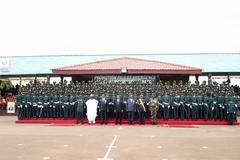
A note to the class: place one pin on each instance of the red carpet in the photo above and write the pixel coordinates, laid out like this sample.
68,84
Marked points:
170,122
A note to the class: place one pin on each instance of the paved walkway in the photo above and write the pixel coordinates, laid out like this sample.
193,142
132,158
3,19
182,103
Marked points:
97,142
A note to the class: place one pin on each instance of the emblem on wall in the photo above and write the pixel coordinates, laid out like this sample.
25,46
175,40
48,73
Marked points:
4,64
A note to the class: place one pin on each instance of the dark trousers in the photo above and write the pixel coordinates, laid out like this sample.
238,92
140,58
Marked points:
65,111
46,113
71,110
165,112
60,110
118,116
141,117
175,111
159,113
34,111
187,107
111,111
147,113
29,112
19,111
230,118
79,116
104,117
182,111
194,112
200,111
131,117
215,112
220,112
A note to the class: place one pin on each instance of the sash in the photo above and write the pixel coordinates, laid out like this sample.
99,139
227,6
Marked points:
142,105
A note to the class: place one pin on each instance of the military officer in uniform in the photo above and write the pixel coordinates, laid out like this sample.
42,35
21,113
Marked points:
225,105
55,105
45,106
19,105
220,105
71,105
159,98
200,105
176,104
205,106
34,105
80,105
141,109
194,106
65,105
153,106
187,105
231,111
211,107
40,104
182,105
215,105
60,105
28,105
146,98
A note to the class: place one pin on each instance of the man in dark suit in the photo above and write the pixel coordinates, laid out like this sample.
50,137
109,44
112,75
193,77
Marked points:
103,109
130,108
118,109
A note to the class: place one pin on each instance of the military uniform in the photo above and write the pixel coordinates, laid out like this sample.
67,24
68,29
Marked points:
65,106
187,105
19,105
141,109
46,106
55,105
34,105
153,106
176,104
200,106
80,105
28,105
60,106
205,106
166,106
40,105
231,111
159,98
225,106
71,105
216,107
182,106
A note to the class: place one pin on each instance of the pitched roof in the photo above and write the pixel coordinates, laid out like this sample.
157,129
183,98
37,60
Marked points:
133,65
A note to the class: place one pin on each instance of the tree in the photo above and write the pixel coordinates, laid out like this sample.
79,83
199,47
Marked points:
5,83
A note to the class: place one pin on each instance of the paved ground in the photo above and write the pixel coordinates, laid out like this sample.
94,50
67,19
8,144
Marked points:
96,142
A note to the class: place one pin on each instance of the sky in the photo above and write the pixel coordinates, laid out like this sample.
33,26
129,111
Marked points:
62,27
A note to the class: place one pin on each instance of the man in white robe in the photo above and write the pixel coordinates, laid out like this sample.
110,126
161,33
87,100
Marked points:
91,109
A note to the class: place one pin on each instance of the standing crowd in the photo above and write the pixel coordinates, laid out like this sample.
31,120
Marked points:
134,100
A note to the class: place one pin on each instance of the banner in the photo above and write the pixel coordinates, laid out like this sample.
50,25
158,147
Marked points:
4,64
127,78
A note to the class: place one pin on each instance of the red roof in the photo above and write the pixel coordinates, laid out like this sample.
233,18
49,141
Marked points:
133,65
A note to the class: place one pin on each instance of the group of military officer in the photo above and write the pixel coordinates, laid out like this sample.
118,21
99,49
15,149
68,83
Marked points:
150,99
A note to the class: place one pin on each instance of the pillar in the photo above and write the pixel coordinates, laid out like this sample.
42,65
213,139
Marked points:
20,83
